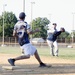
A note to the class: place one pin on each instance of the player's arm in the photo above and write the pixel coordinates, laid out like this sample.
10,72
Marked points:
51,30
29,31
59,32
14,33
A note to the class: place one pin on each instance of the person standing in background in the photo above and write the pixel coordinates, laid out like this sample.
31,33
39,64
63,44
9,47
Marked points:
53,45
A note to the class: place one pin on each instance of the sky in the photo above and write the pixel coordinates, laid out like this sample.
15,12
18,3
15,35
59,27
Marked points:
57,11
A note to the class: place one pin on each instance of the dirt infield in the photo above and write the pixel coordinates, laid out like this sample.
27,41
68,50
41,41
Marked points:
30,66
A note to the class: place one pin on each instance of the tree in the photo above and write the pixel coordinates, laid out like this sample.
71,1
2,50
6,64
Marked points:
40,23
9,21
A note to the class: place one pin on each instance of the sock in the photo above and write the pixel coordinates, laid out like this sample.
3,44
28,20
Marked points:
41,63
14,59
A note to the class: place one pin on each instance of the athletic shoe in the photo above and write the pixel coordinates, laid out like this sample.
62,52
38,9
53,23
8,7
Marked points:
11,61
42,65
56,55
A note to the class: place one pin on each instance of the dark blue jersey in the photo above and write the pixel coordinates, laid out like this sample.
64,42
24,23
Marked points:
21,29
53,36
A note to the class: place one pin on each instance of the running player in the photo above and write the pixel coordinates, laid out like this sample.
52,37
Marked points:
22,31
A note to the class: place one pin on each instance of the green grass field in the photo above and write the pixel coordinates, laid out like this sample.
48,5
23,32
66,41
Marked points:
66,53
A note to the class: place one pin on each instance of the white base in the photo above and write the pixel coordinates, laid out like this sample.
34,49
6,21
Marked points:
10,67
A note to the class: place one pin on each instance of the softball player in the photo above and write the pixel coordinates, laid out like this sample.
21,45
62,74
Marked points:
53,45
22,31
51,40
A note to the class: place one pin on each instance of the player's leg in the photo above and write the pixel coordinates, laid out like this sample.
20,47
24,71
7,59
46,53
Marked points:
22,50
50,43
39,60
55,48
25,56
12,60
33,51
29,49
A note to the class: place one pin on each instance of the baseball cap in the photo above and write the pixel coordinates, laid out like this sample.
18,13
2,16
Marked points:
22,15
54,24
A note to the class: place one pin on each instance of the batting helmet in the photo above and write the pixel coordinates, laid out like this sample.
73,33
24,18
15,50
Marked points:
22,15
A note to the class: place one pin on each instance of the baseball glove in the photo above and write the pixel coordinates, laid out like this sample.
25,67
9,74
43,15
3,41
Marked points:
62,29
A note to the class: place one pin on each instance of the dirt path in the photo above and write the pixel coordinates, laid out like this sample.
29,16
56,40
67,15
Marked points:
32,60
30,66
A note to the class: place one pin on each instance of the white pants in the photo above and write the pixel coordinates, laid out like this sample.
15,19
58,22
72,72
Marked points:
29,49
53,47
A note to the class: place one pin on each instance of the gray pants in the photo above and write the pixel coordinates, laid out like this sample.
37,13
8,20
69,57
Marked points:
53,48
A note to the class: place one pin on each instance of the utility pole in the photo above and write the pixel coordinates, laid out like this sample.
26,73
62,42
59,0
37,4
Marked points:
3,22
73,29
23,5
32,11
32,16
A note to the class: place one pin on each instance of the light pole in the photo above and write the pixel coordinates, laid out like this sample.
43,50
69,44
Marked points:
73,29
32,16
32,12
3,22
23,5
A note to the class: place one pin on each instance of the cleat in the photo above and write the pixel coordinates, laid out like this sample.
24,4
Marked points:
43,65
11,61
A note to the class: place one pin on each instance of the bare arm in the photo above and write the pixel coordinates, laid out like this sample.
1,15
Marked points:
29,31
14,33
51,30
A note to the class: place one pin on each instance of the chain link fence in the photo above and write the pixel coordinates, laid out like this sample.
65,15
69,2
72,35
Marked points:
12,41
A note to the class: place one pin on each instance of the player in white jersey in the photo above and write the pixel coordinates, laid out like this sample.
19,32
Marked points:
22,31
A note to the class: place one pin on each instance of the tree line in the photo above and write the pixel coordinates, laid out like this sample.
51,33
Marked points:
10,19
